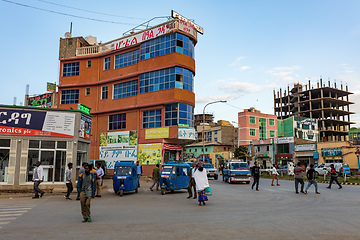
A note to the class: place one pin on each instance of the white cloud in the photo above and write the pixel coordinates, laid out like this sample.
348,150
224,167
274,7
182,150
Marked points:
285,74
238,65
346,68
240,87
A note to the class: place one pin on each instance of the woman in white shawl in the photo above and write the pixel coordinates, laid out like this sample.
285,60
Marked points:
201,182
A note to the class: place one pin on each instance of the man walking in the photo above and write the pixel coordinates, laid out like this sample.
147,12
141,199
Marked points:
298,178
99,181
81,170
255,172
156,177
37,179
138,171
311,179
333,177
69,184
192,183
86,186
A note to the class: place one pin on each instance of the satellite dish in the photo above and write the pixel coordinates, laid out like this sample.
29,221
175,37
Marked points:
68,35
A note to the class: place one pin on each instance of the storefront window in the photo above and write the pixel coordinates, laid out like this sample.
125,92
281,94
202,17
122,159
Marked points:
4,159
52,159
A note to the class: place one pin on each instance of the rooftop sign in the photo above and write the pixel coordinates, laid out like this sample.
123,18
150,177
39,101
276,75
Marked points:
187,21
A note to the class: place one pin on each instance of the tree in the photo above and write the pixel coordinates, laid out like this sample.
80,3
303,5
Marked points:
241,152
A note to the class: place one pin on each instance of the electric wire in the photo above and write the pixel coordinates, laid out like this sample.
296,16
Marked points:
66,14
84,10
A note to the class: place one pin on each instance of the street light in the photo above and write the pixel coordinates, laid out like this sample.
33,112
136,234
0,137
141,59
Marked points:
203,130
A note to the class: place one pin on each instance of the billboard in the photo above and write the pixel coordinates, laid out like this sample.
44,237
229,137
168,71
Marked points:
187,21
186,133
150,154
85,127
118,146
50,87
42,101
155,133
36,123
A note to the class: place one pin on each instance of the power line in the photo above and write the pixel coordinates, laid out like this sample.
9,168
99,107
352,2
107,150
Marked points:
234,106
84,10
65,14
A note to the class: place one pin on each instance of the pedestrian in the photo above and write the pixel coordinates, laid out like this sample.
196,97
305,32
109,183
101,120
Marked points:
255,172
222,168
87,187
192,184
298,178
333,177
37,179
81,170
311,179
275,175
69,184
156,177
139,171
202,182
99,180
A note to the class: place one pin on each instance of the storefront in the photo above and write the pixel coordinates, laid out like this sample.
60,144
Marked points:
52,136
304,153
284,150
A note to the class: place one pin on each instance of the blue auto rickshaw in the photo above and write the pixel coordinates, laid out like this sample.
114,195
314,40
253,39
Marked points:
125,177
174,176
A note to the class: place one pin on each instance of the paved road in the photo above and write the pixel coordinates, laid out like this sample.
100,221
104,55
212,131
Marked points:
233,212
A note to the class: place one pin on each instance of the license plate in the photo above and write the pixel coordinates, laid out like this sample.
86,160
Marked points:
121,177
164,176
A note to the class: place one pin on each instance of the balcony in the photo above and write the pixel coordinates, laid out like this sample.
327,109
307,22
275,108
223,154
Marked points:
92,50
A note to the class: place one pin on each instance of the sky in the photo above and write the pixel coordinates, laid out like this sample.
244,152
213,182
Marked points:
249,48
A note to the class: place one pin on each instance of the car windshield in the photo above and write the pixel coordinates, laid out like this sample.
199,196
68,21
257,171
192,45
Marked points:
240,166
208,166
345,165
122,170
167,170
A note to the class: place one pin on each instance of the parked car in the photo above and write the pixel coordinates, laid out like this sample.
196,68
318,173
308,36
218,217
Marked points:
211,171
322,169
237,171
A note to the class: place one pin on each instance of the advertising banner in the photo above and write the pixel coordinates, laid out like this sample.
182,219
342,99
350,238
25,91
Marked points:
36,123
186,133
283,140
42,101
187,21
50,87
85,127
118,146
150,154
305,147
155,133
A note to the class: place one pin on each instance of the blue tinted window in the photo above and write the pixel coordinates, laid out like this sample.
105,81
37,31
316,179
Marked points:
70,69
126,59
107,62
117,121
152,118
179,113
70,96
125,89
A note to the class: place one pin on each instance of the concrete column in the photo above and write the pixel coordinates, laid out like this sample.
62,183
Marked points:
24,162
12,161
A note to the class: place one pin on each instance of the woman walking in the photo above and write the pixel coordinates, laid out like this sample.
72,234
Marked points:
201,182
275,175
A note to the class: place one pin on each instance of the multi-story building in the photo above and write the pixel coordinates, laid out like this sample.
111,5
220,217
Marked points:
254,125
328,104
140,89
299,127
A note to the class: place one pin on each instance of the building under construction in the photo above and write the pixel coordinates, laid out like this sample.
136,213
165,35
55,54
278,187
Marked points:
328,104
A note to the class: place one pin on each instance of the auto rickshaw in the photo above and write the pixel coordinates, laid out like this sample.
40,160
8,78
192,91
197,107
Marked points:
174,176
125,177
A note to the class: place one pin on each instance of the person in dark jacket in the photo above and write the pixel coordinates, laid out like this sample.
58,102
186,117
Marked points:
255,173
311,179
87,187
298,178
333,177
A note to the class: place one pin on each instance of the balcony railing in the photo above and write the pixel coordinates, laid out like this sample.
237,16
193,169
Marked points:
91,50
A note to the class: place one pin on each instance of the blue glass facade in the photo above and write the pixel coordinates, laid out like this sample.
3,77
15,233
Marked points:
175,77
70,69
152,118
125,89
70,96
126,59
179,113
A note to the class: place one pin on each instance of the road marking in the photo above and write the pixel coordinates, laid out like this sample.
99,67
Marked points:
10,215
14,209
12,212
3,223
7,219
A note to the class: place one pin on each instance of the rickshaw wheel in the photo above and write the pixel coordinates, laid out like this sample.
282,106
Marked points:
136,189
163,191
121,193
172,191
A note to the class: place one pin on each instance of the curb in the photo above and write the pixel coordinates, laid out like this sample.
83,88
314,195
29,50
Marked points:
343,183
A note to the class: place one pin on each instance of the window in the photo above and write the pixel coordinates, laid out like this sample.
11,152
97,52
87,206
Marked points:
88,63
252,132
272,133
87,91
70,96
126,59
170,43
104,92
215,139
152,118
195,150
175,77
252,120
70,69
258,148
179,113
215,132
117,121
272,122
107,62
267,148
70,42
262,128
4,159
125,89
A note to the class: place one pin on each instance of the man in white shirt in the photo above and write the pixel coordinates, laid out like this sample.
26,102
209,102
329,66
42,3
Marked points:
37,179
69,184
100,173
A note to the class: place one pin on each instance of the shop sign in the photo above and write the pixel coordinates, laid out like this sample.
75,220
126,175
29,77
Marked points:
113,155
186,133
83,108
283,140
187,21
36,123
331,152
155,133
304,147
149,154
85,127
123,139
42,101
